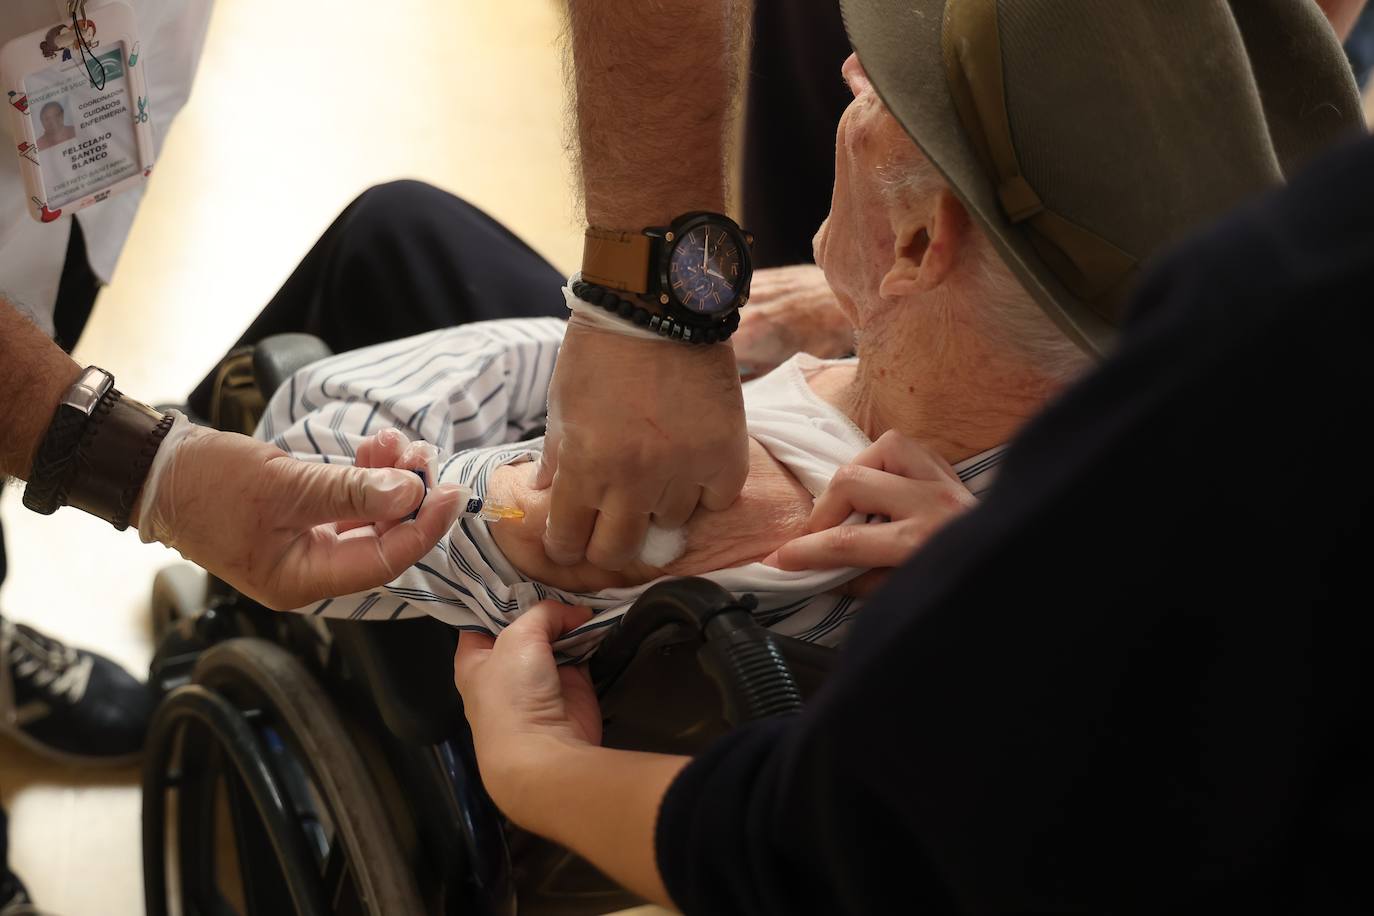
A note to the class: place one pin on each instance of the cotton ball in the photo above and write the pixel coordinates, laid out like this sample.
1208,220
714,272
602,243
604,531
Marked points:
662,546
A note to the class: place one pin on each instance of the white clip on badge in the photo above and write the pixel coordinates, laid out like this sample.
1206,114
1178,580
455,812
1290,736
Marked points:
78,109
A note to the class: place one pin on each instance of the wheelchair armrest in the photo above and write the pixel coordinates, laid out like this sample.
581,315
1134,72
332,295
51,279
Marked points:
277,358
408,668
744,660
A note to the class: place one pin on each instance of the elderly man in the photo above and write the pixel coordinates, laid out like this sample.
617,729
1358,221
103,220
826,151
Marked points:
954,350
1126,683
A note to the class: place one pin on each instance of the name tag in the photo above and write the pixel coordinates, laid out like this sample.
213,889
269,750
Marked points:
77,104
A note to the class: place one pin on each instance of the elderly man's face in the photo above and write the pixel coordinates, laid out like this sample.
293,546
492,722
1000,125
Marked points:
854,245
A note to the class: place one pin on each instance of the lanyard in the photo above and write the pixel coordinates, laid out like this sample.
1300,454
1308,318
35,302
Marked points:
74,11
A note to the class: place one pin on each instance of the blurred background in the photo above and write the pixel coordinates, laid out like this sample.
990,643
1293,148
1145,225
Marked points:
297,109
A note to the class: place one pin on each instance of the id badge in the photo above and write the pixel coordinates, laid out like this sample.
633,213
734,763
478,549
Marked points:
78,109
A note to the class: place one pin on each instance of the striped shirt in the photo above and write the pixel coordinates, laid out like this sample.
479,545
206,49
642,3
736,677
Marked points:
476,392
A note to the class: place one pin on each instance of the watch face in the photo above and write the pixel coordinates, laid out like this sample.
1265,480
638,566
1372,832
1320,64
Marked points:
705,269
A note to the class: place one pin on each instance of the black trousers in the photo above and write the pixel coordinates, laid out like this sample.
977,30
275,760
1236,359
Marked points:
402,259
796,98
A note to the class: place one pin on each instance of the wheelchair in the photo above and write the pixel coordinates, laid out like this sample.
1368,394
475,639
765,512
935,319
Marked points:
312,766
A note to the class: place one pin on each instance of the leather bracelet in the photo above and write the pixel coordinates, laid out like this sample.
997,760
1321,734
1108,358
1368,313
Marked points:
55,461
662,325
113,459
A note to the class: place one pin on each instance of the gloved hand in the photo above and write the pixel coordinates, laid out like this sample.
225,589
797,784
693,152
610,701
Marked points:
391,448
270,525
638,430
791,310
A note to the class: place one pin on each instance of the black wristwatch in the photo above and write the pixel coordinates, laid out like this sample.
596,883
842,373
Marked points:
696,271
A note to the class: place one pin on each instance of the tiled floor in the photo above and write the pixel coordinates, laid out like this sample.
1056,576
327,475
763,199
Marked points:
294,113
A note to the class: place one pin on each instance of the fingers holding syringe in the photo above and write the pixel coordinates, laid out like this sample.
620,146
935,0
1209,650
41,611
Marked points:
382,449
391,448
366,556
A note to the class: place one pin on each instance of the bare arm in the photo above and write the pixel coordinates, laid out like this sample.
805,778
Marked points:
602,804
642,430
655,89
536,729
1342,14
34,373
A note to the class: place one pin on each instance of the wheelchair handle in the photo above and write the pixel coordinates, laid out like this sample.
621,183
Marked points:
741,657
277,358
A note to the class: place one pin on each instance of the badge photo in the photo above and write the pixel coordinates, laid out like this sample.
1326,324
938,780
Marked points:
78,110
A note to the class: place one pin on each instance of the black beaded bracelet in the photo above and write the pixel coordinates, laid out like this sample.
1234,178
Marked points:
662,325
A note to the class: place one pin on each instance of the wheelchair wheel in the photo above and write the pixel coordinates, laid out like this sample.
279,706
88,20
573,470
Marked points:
257,801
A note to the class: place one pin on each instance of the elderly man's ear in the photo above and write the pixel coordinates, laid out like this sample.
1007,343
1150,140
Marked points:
929,241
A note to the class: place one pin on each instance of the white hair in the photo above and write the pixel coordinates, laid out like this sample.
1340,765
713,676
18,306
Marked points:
1007,313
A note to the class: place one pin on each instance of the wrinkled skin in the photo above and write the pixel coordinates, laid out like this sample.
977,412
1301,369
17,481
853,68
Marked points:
791,310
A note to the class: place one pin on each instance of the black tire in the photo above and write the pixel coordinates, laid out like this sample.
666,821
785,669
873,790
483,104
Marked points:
256,674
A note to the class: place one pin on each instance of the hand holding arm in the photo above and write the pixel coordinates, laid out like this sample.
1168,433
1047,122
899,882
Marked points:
896,477
535,727
641,430
638,430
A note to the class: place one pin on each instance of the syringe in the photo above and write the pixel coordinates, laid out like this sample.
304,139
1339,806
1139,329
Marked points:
490,512
473,505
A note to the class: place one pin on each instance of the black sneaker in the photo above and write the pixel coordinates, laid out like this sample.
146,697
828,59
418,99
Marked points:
14,899
69,704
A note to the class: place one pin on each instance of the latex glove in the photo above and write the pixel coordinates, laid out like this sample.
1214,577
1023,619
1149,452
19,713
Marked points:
269,525
791,310
638,431
517,700
391,448
896,477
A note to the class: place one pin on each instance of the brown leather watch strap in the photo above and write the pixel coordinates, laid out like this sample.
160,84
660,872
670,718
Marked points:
114,456
617,260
